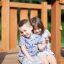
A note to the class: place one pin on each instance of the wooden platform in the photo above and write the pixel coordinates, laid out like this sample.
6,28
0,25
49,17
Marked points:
8,58
11,58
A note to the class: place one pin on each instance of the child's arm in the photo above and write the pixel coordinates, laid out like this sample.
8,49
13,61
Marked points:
23,48
42,45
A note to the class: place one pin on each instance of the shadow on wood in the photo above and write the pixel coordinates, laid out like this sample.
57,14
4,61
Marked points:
2,56
62,51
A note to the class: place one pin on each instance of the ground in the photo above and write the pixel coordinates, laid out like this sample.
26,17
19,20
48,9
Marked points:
8,58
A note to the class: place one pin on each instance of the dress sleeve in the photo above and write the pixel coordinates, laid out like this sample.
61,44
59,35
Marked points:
22,41
42,40
46,33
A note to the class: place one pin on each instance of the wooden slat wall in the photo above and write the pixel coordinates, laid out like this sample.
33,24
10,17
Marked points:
23,14
25,5
33,13
62,1
13,29
5,25
44,14
0,3
9,23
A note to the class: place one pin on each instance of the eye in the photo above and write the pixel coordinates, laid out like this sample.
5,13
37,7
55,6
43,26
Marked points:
40,30
21,32
24,30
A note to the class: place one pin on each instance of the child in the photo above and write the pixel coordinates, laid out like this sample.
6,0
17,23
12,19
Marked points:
46,54
28,44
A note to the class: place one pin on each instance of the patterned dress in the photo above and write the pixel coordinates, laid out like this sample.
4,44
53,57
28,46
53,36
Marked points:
32,48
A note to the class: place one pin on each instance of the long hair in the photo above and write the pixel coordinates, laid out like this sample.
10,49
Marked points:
36,21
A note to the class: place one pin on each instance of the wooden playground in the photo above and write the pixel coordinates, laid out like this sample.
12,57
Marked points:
9,25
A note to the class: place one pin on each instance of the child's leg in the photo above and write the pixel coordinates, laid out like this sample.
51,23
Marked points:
51,59
37,60
20,59
43,58
26,61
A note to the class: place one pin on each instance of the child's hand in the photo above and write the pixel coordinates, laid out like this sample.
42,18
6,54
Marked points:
31,59
46,39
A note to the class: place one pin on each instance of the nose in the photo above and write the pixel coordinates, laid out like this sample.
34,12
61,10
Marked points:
24,33
37,31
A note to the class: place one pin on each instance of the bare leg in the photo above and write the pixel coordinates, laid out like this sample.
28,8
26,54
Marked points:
44,59
51,59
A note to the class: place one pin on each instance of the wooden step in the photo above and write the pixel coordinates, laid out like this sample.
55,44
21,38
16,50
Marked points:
9,58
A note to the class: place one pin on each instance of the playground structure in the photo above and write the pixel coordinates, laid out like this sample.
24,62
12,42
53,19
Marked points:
9,23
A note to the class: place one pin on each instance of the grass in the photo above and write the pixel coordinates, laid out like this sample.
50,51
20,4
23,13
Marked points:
62,33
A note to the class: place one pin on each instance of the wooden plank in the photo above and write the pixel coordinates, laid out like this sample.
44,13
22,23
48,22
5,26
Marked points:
62,7
62,1
61,60
23,14
5,25
10,58
0,3
48,7
44,14
13,29
33,13
25,5
55,31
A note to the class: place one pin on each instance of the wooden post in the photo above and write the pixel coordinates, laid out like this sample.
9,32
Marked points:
62,1
23,14
33,13
13,29
5,25
44,13
55,28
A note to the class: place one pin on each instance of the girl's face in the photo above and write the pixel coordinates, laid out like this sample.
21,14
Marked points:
37,30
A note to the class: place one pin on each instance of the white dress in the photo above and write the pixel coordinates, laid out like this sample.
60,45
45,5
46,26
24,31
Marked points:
47,50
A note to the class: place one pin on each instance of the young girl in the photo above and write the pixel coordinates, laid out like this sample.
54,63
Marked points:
46,54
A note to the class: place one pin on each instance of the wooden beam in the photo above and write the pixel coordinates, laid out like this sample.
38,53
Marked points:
55,31
62,1
22,5
25,5
33,13
48,7
23,14
5,25
13,29
0,3
44,14
62,7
